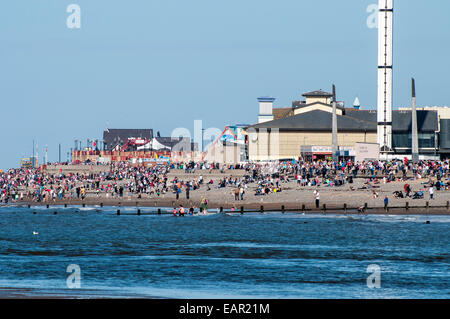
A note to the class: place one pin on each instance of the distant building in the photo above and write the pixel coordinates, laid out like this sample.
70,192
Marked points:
115,139
112,138
139,147
443,132
230,147
309,123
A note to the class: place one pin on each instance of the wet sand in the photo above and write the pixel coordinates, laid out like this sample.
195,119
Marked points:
39,293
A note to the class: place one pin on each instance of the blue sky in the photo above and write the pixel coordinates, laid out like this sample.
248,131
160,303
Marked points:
163,64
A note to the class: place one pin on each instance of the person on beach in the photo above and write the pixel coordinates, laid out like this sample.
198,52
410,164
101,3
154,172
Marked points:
431,191
182,211
177,194
204,205
407,189
386,202
236,193
317,197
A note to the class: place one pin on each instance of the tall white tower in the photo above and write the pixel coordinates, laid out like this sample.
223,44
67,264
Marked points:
385,43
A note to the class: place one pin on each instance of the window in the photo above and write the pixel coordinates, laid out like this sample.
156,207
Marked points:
404,140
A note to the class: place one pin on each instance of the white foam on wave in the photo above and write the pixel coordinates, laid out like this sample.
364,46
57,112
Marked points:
87,208
408,218
262,245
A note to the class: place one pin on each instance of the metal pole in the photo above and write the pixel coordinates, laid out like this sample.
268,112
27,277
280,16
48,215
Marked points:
334,147
435,144
415,138
32,160
203,130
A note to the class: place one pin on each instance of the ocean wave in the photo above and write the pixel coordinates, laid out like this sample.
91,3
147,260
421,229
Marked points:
11,251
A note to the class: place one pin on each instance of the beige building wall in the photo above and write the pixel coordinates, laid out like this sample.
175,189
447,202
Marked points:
289,143
223,154
315,107
325,100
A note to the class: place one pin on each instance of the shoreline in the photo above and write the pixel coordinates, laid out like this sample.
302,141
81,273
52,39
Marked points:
67,293
245,207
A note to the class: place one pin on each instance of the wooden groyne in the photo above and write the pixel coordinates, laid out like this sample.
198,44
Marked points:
165,207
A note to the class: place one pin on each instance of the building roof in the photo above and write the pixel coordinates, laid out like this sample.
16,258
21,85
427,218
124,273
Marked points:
317,93
266,99
279,113
353,121
184,142
302,105
181,144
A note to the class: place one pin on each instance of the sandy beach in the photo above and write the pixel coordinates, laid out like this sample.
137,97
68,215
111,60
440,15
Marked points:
292,197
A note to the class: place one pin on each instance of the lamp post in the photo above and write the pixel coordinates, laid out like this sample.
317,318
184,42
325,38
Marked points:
435,144
33,160
304,148
203,132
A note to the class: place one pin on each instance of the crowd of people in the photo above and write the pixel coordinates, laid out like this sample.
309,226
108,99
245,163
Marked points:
124,179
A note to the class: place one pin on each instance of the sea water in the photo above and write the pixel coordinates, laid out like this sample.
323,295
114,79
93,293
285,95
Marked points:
271,255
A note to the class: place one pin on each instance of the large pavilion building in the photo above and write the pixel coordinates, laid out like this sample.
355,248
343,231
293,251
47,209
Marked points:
286,133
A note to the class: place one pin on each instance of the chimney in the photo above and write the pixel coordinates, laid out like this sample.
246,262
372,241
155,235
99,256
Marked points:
265,109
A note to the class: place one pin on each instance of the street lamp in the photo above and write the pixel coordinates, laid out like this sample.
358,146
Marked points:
304,147
203,130
435,144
